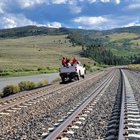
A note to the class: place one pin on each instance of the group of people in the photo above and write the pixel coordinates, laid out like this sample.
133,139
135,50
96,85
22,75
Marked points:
68,62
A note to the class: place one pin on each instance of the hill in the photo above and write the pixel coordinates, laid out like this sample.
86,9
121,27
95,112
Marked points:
36,54
31,47
122,42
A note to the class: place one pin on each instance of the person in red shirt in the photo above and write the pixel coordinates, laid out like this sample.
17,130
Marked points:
68,61
64,61
74,61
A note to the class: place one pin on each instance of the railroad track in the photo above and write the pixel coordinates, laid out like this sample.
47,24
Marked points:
130,116
125,119
119,119
33,96
78,113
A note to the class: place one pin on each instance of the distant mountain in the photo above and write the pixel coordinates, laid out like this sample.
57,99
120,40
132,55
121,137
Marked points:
30,31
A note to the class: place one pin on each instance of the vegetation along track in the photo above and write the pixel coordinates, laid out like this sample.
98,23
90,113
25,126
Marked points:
40,118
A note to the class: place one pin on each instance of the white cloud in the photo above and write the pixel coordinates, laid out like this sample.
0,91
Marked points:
1,8
133,6
117,1
98,23
54,25
58,1
91,1
80,27
29,3
135,23
74,8
11,21
1,11
90,20
105,1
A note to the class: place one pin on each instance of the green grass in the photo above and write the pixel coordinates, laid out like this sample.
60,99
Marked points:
31,53
124,44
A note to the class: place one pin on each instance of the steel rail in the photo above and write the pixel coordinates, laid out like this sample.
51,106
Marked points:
130,116
121,123
26,98
58,131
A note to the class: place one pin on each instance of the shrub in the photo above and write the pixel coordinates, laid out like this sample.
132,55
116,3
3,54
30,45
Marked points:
18,70
10,89
43,83
41,69
31,85
23,85
1,94
26,85
88,67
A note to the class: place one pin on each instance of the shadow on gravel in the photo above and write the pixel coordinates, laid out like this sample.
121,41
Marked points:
67,82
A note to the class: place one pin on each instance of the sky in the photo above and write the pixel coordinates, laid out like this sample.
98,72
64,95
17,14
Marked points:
82,14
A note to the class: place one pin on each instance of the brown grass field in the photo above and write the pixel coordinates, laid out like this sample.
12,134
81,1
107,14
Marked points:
135,66
37,51
118,36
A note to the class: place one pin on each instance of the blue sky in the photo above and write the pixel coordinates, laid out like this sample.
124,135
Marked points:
85,14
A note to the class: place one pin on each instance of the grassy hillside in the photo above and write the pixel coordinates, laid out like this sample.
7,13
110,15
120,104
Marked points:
36,52
121,41
124,44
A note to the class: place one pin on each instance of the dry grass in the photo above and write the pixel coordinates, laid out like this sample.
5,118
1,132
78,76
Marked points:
37,51
135,66
136,42
119,36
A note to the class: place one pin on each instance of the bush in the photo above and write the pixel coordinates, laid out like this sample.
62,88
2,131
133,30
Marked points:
10,89
41,69
23,85
1,94
88,67
43,83
31,85
26,85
